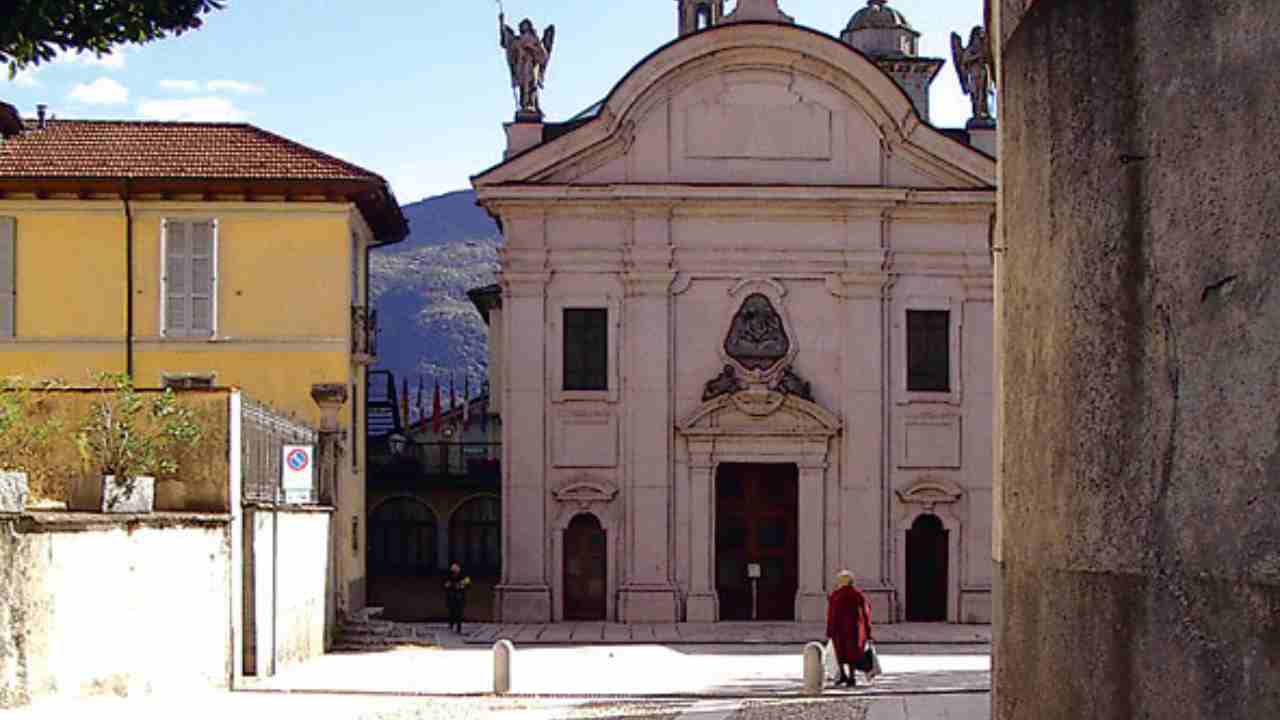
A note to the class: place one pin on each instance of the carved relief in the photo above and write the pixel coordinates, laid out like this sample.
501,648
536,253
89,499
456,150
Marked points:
723,384
756,338
792,384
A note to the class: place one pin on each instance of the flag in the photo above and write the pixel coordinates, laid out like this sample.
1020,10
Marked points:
484,411
422,405
404,401
466,402
453,398
435,409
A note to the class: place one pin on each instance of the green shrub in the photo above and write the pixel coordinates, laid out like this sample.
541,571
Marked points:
30,426
128,434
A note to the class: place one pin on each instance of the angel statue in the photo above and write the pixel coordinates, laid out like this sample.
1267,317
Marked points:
973,64
527,58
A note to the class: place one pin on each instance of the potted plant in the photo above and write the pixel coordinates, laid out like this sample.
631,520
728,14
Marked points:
129,438
28,429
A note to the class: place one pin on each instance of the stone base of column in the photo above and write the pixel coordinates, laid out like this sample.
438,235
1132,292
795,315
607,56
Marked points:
647,604
811,607
702,608
523,603
884,605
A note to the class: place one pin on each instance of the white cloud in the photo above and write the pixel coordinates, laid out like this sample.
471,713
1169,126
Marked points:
187,86
26,79
114,61
235,86
200,109
103,91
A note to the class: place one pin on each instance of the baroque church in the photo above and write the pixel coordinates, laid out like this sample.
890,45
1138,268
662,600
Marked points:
744,334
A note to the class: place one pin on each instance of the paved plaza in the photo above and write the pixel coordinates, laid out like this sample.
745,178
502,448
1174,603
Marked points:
423,672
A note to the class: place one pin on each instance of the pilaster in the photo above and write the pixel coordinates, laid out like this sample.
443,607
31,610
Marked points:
648,593
702,605
524,594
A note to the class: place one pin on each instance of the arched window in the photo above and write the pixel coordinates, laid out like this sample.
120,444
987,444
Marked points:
402,538
475,538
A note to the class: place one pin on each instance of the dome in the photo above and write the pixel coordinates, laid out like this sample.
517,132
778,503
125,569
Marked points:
877,15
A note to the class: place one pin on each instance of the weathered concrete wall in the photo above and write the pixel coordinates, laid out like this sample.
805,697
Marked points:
290,583
1140,480
91,605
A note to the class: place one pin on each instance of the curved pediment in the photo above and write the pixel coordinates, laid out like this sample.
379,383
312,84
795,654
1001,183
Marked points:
759,412
589,490
931,491
747,95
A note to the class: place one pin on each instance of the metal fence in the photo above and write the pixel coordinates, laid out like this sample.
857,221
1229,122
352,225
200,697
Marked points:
264,433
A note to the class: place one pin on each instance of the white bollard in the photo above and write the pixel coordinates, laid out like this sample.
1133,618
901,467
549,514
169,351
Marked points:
814,675
502,652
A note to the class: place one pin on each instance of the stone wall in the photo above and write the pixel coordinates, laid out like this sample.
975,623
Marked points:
92,605
1139,487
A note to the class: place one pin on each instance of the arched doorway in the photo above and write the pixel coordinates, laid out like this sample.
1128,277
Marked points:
402,539
586,567
475,537
927,570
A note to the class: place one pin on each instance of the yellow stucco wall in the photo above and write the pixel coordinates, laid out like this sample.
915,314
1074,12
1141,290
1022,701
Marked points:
284,276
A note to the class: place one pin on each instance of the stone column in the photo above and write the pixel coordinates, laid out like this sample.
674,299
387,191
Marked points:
524,594
703,605
347,578
811,598
648,594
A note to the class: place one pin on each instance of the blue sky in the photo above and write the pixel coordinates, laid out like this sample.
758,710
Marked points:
416,90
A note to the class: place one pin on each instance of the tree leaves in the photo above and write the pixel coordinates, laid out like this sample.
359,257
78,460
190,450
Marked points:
34,31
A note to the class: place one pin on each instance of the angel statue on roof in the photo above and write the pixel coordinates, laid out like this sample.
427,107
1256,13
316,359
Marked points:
973,63
527,58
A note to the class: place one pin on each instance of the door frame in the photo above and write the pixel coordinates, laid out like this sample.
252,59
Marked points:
954,527
595,498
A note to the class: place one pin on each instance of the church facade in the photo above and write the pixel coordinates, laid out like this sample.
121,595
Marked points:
744,339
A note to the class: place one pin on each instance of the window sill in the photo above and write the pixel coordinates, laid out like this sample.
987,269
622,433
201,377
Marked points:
586,396
911,397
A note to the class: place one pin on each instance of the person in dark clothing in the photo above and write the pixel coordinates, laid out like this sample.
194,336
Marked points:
455,595
849,627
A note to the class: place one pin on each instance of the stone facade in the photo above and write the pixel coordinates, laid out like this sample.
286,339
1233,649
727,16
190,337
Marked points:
1138,446
743,162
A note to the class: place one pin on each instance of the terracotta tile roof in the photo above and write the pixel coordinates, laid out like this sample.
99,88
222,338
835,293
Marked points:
123,149
160,154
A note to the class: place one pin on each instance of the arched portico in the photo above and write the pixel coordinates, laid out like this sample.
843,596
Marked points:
757,426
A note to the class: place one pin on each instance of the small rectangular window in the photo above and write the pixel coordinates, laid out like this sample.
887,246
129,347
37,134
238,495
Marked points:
186,381
929,350
586,349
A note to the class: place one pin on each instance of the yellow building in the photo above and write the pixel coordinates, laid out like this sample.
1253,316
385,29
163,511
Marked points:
194,253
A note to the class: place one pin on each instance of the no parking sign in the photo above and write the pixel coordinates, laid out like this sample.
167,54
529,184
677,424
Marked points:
297,473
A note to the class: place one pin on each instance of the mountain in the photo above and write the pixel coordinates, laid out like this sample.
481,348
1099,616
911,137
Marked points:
427,325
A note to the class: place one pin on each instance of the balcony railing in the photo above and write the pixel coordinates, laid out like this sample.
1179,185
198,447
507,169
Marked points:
476,461
364,334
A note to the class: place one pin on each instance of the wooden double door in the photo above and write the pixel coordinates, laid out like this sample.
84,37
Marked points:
757,517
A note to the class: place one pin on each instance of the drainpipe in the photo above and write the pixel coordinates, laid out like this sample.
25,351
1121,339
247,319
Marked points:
128,283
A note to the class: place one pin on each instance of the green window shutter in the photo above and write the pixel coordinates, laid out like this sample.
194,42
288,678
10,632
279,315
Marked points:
203,252
177,278
8,275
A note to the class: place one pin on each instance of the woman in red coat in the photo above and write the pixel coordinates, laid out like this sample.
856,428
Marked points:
848,626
